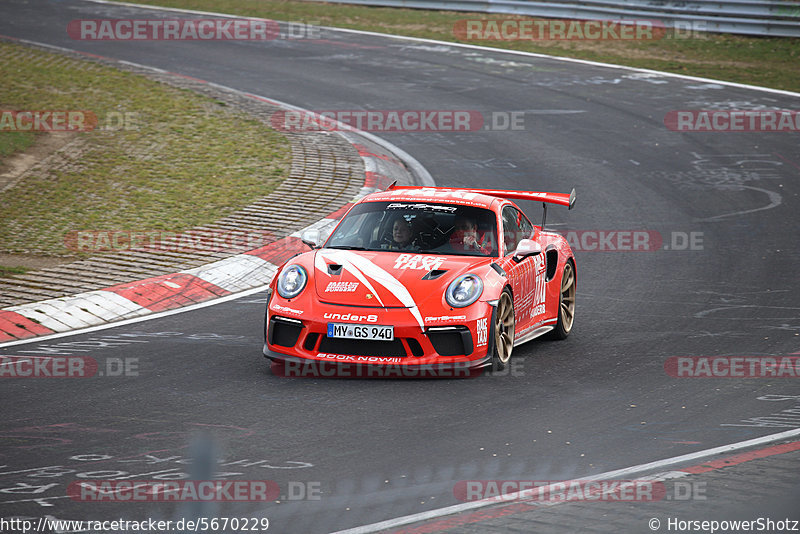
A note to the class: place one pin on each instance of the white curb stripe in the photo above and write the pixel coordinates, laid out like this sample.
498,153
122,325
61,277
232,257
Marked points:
57,315
370,164
79,311
109,306
236,273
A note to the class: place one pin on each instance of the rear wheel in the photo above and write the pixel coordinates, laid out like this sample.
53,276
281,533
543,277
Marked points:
566,302
503,331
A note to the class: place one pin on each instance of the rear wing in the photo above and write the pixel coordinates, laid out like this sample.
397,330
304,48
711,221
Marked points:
562,199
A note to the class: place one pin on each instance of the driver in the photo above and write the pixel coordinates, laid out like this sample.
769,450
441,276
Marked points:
402,236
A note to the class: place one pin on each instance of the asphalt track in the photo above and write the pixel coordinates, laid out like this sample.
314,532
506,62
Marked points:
601,400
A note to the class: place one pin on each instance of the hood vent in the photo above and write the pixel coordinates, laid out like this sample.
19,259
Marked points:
434,274
334,269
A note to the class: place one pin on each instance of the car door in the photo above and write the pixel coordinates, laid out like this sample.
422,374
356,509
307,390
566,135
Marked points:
527,277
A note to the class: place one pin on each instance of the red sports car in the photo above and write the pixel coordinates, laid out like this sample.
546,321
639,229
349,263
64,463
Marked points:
420,281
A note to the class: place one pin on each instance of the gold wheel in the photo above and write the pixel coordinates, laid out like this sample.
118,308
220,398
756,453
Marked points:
566,303
566,312
504,330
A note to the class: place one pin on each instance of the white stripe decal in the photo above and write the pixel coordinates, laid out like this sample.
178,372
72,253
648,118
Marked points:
319,263
356,262
347,266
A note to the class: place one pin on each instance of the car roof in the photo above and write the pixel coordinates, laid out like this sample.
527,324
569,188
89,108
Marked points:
438,195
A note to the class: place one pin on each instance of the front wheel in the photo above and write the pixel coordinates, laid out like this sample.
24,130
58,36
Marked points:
503,331
566,302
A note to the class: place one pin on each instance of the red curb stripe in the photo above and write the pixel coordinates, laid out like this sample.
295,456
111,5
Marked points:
159,294
742,458
364,152
280,251
15,326
371,180
375,180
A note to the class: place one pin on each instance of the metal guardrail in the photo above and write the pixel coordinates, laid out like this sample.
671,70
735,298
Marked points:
773,18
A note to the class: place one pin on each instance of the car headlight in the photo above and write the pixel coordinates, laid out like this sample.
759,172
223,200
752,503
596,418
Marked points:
464,290
292,281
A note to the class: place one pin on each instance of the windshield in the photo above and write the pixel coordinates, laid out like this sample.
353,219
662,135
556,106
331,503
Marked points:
418,227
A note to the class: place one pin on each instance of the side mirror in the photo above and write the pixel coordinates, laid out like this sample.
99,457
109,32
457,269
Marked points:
527,247
312,238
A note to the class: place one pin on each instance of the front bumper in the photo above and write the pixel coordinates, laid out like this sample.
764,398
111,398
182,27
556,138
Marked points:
460,341
359,367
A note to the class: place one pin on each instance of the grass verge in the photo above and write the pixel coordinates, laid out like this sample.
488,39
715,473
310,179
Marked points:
161,158
11,271
768,62
13,142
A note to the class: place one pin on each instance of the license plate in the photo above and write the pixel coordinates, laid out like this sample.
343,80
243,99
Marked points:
361,331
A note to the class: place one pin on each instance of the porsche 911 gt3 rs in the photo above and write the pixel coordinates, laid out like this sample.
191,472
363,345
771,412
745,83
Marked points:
424,278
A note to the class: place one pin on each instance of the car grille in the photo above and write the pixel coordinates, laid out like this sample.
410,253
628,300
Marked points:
284,332
361,347
451,341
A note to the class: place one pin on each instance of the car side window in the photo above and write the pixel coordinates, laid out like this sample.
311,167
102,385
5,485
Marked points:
516,227
525,225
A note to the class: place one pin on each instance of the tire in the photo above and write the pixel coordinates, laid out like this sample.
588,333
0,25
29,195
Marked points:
566,302
503,332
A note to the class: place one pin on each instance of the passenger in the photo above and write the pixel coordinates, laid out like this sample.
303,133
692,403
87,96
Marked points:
465,237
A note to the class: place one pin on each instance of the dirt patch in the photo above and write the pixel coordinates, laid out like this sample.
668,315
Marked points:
32,262
13,168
